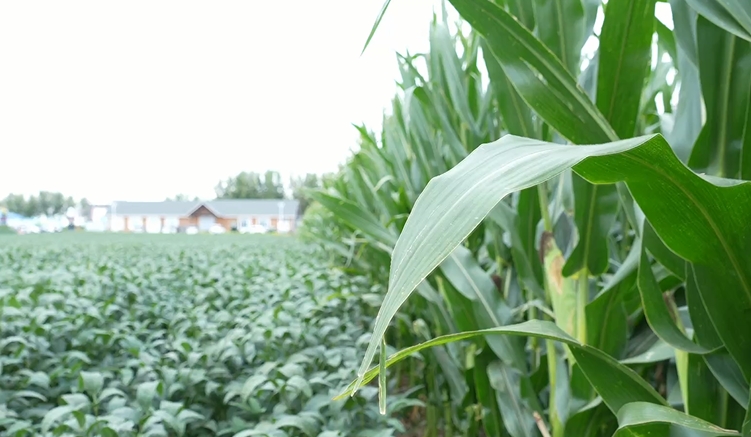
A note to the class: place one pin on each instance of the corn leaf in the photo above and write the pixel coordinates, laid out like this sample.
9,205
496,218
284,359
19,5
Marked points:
688,113
537,74
564,30
725,72
712,234
658,315
733,16
617,384
625,50
373,29
359,219
643,419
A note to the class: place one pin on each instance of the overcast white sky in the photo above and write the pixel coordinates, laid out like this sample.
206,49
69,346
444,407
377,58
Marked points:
140,100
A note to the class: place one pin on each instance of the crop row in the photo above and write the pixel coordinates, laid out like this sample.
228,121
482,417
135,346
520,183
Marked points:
160,335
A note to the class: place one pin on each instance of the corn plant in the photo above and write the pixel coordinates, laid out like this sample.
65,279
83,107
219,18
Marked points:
618,231
375,192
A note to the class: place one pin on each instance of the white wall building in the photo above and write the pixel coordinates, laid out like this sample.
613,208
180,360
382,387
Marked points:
169,216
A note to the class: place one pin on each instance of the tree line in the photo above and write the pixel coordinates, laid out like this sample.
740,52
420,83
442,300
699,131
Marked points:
44,203
246,185
269,185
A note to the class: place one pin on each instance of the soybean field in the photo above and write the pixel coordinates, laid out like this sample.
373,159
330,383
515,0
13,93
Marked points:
174,335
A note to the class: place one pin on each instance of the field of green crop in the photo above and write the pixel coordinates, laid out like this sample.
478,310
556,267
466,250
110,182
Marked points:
136,335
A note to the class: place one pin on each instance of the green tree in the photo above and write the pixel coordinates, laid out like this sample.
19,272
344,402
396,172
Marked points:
50,203
301,184
45,202
85,207
272,187
32,207
245,185
15,203
251,185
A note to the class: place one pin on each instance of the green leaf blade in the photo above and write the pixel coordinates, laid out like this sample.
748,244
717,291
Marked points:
617,384
376,24
625,50
356,217
716,241
537,74
657,313
734,16
711,235
564,29
725,76
643,419
435,227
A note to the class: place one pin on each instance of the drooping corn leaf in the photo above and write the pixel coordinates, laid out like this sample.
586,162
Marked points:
505,164
719,362
617,384
641,419
712,233
733,16
661,253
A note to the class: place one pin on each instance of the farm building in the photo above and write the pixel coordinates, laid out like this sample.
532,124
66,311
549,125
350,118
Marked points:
168,216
